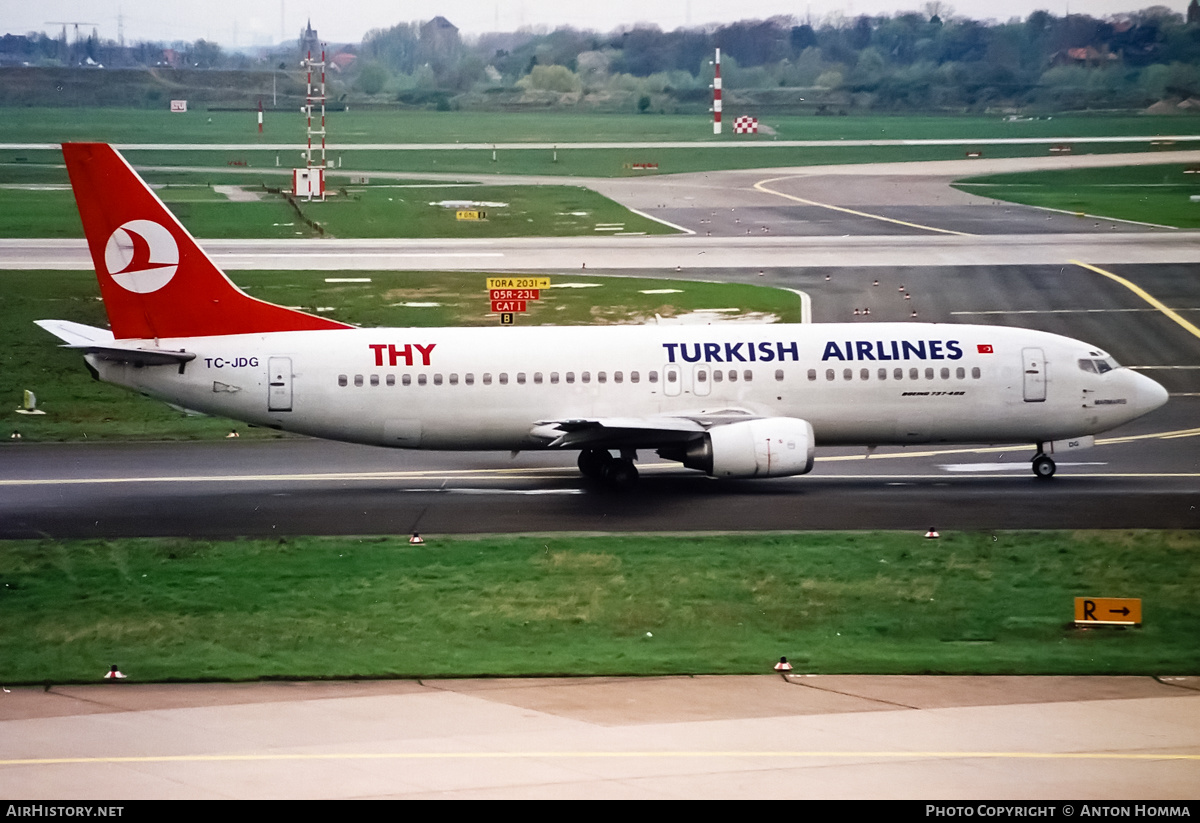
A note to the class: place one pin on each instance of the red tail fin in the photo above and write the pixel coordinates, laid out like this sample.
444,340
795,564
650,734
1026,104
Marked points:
154,279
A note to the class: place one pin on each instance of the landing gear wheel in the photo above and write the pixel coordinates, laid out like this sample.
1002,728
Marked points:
620,473
593,462
1043,467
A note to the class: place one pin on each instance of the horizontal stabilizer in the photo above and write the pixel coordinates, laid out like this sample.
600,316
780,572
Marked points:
101,343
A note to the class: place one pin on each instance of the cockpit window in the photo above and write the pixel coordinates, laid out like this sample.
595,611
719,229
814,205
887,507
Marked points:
1098,365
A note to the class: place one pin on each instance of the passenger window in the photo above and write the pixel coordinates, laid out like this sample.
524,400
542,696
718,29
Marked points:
469,379
672,376
487,378
848,374
779,374
732,376
812,374
652,376
617,377
374,380
406,379
585,377
701,376
422,379
865,374
929,373
602,377
570,377
634,377
913,374
898,374
520,378
391,380
718,375
454,380
503,378
883,374
945,373
343,380
960,373
829,374
975,372
554,377
437,380
358,381
747,375
537,377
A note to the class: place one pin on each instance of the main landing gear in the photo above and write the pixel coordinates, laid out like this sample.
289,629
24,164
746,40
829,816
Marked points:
1043,466
599,464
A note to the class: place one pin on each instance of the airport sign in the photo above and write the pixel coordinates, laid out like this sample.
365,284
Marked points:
1110,611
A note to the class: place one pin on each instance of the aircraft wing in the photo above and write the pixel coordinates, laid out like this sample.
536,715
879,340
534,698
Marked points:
101,343
632,432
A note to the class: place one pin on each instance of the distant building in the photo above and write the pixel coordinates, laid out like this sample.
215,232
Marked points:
440,34
310,43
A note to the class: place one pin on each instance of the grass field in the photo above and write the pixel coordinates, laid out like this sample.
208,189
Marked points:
863,602
36,201
80,408
349,128
55,125
1158,194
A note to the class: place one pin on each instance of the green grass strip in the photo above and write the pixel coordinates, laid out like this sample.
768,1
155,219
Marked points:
865,602
1158,194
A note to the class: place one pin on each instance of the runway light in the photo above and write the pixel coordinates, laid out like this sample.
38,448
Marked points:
783,665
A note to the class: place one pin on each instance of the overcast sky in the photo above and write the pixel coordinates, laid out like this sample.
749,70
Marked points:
255,22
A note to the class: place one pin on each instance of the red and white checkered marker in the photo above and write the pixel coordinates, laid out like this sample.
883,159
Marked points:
783,665
745,125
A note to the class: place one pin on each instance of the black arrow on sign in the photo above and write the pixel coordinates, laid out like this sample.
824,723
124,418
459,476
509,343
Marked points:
1124,610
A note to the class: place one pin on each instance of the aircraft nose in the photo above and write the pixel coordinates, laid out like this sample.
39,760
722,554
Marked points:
1150,394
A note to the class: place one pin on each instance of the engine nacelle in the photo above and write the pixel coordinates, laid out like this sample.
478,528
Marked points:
770,447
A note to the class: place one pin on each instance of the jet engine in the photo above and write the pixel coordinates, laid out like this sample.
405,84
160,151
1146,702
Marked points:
768,447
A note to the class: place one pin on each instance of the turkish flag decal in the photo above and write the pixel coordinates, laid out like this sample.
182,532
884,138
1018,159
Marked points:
984,348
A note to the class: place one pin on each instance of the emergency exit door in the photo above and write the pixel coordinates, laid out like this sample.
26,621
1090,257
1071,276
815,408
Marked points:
279,379
1034,366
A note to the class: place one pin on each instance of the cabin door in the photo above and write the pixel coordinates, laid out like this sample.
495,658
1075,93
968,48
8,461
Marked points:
279,379
1034,366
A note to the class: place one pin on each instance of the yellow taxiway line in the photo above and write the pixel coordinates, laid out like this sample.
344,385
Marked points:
761,186
1142,293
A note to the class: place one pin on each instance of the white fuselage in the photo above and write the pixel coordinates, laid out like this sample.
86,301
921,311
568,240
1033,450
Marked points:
487,388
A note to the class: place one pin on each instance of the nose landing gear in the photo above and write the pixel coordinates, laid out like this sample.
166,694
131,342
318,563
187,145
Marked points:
1043,466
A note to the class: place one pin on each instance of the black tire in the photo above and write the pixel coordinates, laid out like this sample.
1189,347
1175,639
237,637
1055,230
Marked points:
621,474
1043,467
594,462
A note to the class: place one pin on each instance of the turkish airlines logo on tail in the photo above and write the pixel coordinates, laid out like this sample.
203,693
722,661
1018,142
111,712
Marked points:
141,256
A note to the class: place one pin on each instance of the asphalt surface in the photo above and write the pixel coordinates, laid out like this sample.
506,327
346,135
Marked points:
1028,738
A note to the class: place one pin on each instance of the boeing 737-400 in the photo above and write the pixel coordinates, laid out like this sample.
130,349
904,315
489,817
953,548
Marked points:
732,401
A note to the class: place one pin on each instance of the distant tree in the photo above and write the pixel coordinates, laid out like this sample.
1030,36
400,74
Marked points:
371,78
551,78
643,104
1193,12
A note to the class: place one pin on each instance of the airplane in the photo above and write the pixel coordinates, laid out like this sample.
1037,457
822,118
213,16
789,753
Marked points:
732,401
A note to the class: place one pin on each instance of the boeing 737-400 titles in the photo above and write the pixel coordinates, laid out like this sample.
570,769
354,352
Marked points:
732,401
